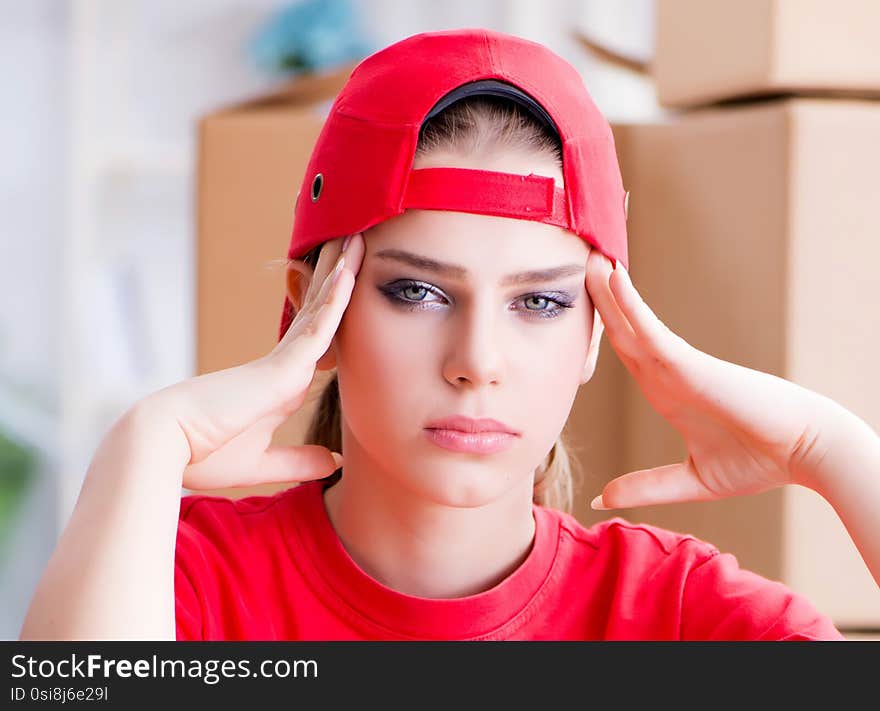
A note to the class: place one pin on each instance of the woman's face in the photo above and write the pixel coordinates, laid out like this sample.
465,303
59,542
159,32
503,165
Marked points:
438,325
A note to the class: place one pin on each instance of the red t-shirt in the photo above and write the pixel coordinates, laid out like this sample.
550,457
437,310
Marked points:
272,567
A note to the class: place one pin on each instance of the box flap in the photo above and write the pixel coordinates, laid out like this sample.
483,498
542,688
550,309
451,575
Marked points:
302,90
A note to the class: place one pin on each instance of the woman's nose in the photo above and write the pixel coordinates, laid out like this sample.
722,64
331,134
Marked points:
476,348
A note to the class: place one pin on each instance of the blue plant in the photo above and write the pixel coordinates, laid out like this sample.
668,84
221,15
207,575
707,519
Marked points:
310,36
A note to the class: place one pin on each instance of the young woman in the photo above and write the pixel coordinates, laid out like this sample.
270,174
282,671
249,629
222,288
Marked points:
459,337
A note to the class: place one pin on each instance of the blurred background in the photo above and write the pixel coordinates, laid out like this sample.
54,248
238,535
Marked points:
116,115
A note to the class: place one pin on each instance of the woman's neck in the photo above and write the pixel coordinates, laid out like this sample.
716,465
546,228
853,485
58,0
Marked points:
425,549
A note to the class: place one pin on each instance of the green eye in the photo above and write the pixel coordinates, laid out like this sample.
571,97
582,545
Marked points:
412,295
414,288
537,297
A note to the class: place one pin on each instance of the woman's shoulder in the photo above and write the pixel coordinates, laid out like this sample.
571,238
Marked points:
715,597
237,506
231,520
226,549
623,535
195,505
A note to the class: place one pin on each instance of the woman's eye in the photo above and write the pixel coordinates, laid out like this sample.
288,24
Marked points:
414,295
411,295
547,306
410,292
415,292
541,301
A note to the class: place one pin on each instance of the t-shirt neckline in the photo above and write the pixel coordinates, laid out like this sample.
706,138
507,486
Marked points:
351,591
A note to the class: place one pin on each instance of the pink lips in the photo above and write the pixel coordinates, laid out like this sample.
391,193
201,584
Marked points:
465,434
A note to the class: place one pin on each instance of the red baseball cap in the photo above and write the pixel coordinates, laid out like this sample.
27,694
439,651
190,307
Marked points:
360,171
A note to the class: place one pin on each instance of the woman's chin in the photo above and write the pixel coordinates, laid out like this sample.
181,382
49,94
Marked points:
463,484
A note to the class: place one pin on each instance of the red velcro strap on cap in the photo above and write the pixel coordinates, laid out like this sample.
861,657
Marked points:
527,197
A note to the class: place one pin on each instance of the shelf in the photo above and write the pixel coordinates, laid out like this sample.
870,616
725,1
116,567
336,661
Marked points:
135,157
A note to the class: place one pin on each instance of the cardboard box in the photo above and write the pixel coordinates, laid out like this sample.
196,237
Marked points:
753,234
712,50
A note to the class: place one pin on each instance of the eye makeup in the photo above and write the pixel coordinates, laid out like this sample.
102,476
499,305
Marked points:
411,295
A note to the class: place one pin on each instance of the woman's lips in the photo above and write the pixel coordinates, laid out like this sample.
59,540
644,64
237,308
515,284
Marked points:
473,442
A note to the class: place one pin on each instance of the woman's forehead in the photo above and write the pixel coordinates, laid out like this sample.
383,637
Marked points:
508,160
462,246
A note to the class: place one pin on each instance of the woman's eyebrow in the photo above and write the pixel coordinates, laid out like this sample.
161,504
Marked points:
453,271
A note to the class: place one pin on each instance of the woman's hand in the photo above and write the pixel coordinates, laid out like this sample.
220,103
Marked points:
746,431
228,417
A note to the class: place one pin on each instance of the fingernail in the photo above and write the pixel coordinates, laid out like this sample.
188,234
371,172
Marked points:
345,243
597,504
337,458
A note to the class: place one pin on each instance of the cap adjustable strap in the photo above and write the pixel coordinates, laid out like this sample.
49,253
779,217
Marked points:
528,197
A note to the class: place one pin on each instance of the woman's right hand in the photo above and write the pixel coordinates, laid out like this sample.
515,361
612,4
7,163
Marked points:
228,417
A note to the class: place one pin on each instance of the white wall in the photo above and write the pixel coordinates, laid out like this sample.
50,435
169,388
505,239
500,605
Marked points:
32,198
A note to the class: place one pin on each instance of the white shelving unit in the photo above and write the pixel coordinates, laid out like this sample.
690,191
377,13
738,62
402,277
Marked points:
139,76
105,161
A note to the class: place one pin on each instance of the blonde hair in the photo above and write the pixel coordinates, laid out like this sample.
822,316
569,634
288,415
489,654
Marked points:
471,126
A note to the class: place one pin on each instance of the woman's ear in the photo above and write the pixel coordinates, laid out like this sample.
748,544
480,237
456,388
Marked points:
593,351
299,279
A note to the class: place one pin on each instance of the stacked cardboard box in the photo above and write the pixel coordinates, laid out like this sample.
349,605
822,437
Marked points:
753,234
708,51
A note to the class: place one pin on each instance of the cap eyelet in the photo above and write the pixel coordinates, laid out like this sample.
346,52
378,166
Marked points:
317,186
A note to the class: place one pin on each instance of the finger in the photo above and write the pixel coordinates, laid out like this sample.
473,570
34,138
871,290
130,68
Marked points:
276,464
317,300
304,319
617,328
320,324
327,260
300,463
352,247
354,254
658,485
647,327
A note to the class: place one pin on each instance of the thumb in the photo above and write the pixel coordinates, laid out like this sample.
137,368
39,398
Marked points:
300,463
659,485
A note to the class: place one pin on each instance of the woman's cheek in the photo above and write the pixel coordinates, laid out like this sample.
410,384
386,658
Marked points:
385,352
548,370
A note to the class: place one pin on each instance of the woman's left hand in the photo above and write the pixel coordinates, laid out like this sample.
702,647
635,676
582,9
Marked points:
746,431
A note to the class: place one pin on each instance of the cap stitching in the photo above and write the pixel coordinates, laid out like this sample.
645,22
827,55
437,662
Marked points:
379,122
493,62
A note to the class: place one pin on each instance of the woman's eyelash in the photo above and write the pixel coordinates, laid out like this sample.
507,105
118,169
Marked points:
393,291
